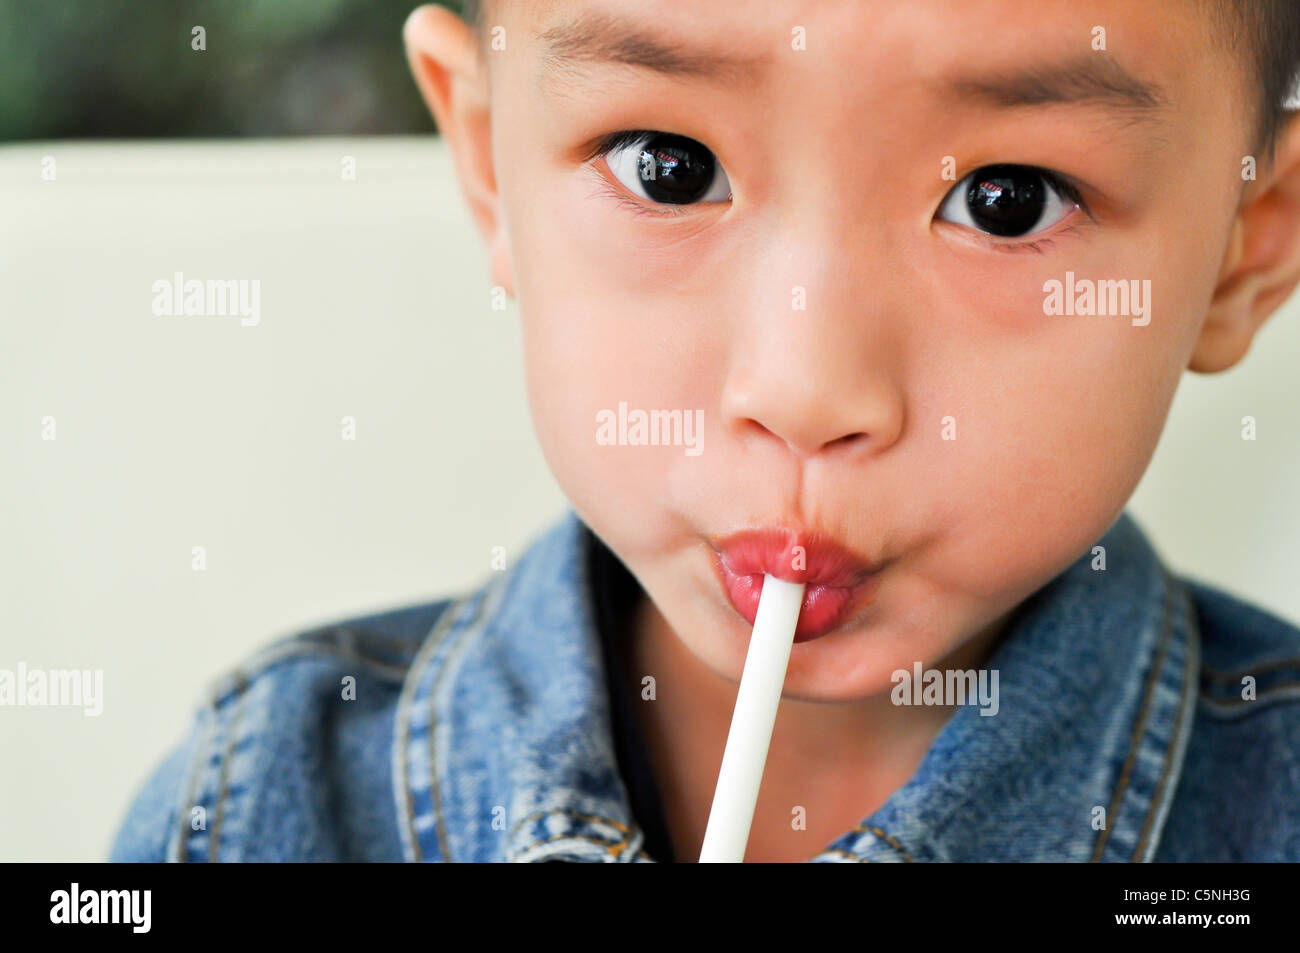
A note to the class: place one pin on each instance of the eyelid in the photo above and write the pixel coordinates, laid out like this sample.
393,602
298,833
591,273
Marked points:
596,159
1065,186
613,189
1039,243
615,140
1063,183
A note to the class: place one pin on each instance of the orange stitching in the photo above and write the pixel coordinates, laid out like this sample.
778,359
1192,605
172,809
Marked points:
883,836
845,853
614,849
609,848
560,810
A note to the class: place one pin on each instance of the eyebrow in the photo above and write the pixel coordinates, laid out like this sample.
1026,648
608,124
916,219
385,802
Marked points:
1088,81
595,38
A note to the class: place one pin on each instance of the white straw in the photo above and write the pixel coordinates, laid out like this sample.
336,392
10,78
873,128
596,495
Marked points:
743,759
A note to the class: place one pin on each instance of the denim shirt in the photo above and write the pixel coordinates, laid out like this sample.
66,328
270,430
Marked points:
478,728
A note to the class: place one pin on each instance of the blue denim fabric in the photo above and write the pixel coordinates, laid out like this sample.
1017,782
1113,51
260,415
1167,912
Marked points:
480,731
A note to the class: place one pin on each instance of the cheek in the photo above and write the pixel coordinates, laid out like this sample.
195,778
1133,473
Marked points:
596,334
1055,416
616,308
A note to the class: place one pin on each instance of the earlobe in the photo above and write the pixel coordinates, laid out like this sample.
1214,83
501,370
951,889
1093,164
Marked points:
1221,342
443,53
502,264
1225,336
1261,265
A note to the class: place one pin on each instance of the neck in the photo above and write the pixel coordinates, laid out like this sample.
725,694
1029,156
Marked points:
829,766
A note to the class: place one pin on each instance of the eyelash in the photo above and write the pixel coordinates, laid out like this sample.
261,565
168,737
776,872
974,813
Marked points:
607,144
1039,245
625,137
615,140
1062,185
1056,180
609,190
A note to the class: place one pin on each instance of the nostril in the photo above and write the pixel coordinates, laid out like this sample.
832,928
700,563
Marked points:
752,426
848,440
844,443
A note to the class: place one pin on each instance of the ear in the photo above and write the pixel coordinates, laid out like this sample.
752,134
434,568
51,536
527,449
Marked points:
1262,264
445,59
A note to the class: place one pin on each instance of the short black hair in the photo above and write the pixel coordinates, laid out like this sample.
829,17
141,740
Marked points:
470,11
1266,32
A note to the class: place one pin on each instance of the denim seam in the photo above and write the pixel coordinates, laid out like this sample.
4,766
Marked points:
360,635
887,838
1238,708
1236,675
1139,726
223,786
484,612
844,853
1177,747
190,789
613,849
402,734
229,685
628,832
626,847
561,810
608,850
435,784
1236,699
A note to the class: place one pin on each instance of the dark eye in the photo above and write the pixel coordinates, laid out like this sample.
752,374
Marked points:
667,169
1009,200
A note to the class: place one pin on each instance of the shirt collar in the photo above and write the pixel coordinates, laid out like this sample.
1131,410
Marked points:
503,744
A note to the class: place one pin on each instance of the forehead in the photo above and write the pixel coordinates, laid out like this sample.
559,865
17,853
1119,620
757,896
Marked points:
1142,82
868,27
879,43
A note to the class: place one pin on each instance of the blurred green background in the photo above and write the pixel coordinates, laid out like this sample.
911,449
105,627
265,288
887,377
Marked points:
90,69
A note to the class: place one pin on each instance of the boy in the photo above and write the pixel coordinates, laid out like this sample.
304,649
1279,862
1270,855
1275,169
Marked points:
889,299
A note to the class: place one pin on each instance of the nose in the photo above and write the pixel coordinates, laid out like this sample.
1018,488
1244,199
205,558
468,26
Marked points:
821,380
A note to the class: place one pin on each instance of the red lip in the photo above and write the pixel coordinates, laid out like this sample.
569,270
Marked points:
837,580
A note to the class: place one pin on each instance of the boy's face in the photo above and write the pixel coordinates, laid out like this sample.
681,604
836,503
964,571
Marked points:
870,360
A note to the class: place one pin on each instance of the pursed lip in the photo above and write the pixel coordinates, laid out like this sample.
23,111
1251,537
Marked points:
837,581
